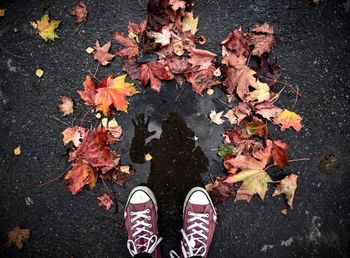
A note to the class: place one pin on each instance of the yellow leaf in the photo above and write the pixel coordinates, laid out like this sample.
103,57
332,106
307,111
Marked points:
47,28
148,157
125,169
261,92
287,119
98,115
17,151
2,12
39,72
104,122
210,92
288,185
189,23
89,50
241,176
255,184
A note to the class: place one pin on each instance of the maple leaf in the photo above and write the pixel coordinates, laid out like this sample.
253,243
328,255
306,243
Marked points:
268,71
287,119
279,155
162,37
255,184
235,43
178,64
46,27
105,200
130,49
238,76
256,127
89,92
80,175
101,53
114,131
240,112
137,29
243,162
232,118
201,58
189,23
216,117
157,14
73,134
154,72
67,105
202,80
262,38
80,12
288,185
260,94
267,110
241,176
113,93
132,68
220,191
17,236
120,175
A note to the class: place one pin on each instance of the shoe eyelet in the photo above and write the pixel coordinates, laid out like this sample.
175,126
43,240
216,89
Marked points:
150,226
131,213
189,213
149,217
148,211
188,220
207,215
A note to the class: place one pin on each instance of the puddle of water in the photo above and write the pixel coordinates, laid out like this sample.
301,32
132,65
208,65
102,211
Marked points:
176,166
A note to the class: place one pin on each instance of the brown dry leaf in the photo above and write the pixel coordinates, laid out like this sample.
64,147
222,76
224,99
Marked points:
73,134
105,200
201,58
287,119
130,49
216,117
235,43
80,12
17,236
288,185
262,38
202,80
162,37
267,110
177,4
154,72
101,53
67,105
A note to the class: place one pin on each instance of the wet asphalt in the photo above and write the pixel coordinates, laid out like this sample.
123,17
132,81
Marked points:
313,51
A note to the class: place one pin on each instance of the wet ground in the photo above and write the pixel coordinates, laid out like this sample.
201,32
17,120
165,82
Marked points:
313,51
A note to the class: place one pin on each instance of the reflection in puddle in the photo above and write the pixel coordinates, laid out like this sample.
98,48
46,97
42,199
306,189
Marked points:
176,167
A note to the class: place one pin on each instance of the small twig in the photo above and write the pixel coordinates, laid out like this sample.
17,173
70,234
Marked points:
55,179
248,60
301,159
78,28
223,102
289,86
9,52
98,65
57,119
83,118
296,98
103,181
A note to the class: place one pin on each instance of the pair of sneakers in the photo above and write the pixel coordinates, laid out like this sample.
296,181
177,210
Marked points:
199,222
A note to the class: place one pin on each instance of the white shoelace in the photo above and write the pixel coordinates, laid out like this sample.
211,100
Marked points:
141,231
195,237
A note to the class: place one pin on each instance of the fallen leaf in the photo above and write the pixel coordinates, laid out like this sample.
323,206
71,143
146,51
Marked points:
163,37
226,150
80,175
132,68
279,154
114,131
267,110
105,200
119,175
89,92
202,80
154,72
262,38
73,134
220,191
217,72
2,12
216,117
189,23
113,92
260,94
256,127
268,71
17,151
80,12
284,211
235,43
137,29
288,185
98,115
89,50
255,184
177,4
101,53
148,157
232,118
125,169
67,105
210,92
287,119
201,58
244,163
46,28
39,72
17,236
130,49
241,111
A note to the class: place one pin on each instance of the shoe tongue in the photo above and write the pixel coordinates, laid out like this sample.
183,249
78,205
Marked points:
197,208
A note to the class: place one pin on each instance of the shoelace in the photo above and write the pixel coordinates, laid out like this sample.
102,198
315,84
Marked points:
141,232
195,245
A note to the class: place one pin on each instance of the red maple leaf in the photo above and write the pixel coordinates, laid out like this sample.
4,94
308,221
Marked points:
154,72
279,154
105,200
202,80
130,49
101,53
80,12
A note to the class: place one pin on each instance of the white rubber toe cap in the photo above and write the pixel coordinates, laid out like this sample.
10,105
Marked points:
139,197
199,198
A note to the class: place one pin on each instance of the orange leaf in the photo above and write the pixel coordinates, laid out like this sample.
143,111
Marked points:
114,93
89,92
288,119
279,155
67,105
73,134
130,46
154,72
80,175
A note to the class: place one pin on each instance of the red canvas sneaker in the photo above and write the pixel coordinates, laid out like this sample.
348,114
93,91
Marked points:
199,222
141,215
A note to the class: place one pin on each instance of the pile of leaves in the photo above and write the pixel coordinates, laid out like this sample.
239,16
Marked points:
165,46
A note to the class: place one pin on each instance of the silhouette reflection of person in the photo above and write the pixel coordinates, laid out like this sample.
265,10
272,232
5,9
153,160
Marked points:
176,165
